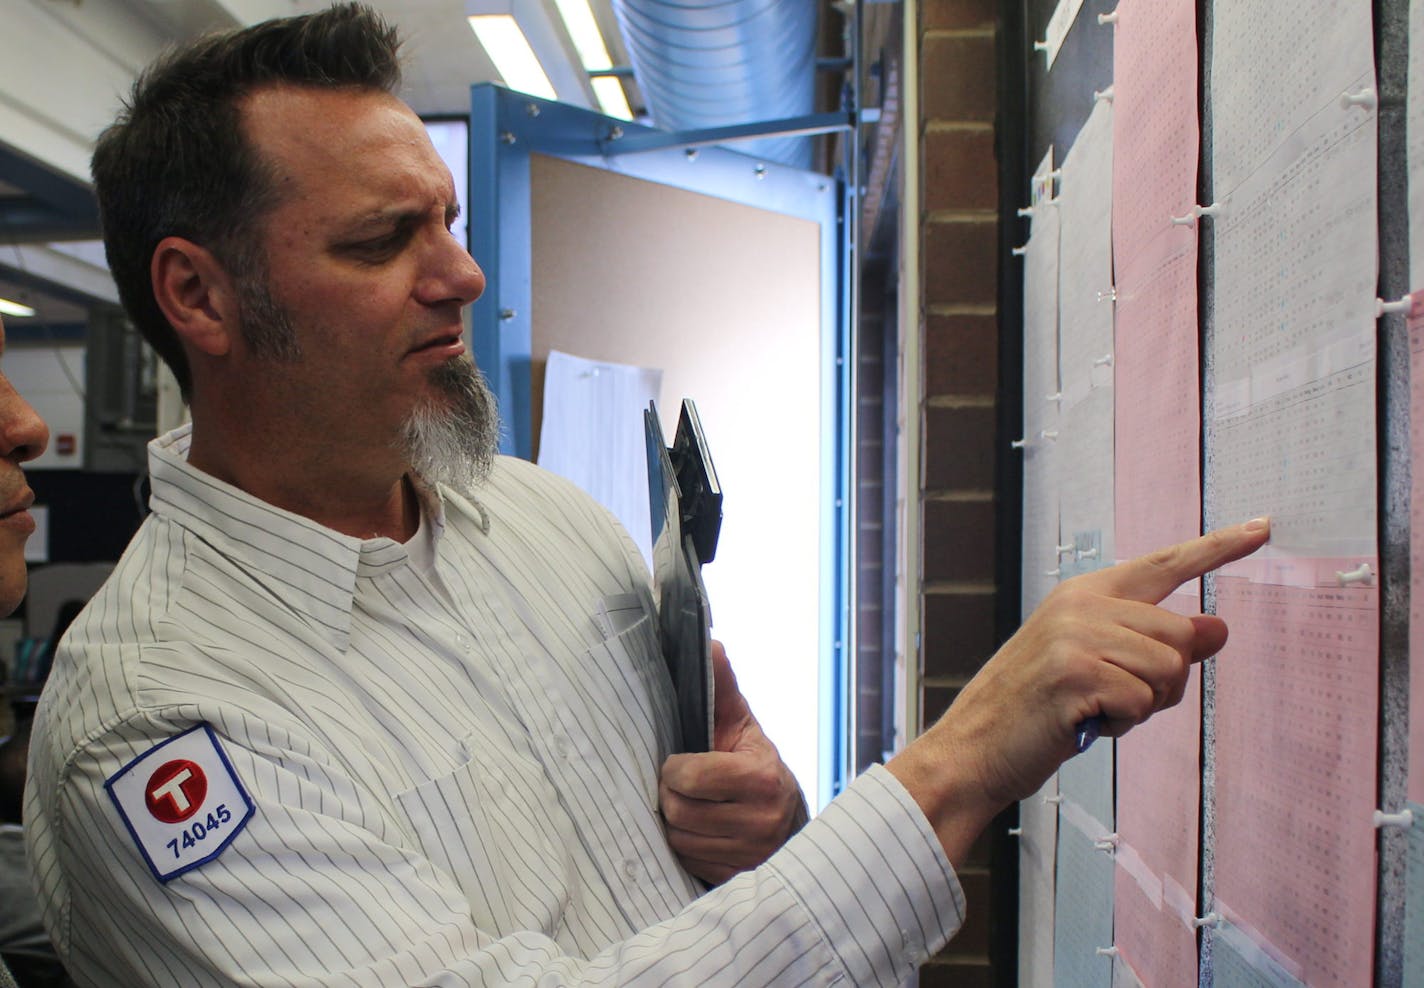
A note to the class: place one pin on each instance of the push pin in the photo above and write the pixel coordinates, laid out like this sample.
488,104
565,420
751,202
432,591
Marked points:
1088,553
1108,843
1040,46
1053,800
1019,251
1365,98
1402,305
1026,211
1403,819
1048,434
1066,548
1361,574
1104,361
1212,919
1108,296
1018,444
1053,574
1103,94
1107,951
1056,396
1110,18
1016,831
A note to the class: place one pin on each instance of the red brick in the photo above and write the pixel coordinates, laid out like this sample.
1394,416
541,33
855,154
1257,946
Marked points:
957,14
958,633
961,355
958,449
961,263
959,170
958,541
958,78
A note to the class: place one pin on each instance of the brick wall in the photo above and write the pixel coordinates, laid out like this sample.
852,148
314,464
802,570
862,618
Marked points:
959,511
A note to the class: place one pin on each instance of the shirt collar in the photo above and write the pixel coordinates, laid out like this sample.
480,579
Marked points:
311,569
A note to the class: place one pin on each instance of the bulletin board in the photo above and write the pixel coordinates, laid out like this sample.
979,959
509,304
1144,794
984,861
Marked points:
1222,317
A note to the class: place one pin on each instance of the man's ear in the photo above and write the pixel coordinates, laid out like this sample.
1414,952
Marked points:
196,294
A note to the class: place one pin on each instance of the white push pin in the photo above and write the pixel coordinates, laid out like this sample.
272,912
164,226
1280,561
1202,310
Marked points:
1195,213
1364,98
1056,396
1048,434
1053,574
1108,843
1066,548
1016,831
1360,574
1018,444
1404,819
1107,951
1108,296
1103,94
1110,18
1104,361
1026,211
1053,800
1040,46
1019,251
1210,919
1089,553
1402,305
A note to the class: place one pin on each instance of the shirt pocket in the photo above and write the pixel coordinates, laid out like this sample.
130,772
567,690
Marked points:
626,674
495,826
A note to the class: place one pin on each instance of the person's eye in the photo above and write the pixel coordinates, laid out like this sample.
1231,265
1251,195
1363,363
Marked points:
380,248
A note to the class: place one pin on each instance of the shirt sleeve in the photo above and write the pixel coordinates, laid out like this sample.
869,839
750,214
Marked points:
318,889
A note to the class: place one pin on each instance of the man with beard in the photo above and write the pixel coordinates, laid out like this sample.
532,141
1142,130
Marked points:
365,704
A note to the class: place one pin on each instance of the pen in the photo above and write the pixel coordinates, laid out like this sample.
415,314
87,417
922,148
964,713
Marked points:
1088,731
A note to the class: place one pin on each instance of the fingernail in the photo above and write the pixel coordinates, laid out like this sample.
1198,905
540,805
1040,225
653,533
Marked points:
1257,524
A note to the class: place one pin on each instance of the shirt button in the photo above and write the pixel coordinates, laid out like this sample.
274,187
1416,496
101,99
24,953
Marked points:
562,747
631,871
463,641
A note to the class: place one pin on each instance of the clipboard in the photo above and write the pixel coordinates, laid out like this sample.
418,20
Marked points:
685,508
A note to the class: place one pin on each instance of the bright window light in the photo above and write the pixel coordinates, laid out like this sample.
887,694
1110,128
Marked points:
507,47
611,97
9,308
578,18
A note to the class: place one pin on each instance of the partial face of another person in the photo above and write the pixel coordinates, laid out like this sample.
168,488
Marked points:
359,306
23,436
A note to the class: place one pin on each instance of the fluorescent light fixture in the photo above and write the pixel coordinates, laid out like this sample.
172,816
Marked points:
507,47
588,39
9,308
611,97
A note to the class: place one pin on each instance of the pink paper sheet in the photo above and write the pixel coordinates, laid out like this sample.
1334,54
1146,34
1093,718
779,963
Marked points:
1297,696
1157,474
1416,552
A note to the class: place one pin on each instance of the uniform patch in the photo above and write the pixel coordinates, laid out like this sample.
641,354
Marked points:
181,801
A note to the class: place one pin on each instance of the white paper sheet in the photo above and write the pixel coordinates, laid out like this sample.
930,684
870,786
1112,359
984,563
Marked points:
1041,416
1038,855
1085,308
592,434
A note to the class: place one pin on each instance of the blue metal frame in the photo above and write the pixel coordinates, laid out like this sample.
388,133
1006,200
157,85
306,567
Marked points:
505,129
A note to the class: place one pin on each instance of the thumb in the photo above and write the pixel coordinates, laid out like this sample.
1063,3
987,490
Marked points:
730,712
1209,637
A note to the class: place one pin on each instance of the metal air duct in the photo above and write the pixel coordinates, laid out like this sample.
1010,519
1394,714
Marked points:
711,63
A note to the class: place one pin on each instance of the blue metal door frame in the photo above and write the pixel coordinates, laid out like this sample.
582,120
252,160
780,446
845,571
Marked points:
506,128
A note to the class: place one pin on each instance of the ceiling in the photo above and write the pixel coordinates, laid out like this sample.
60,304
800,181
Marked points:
43,205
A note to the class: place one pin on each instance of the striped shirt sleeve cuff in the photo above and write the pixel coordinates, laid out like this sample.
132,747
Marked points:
875,880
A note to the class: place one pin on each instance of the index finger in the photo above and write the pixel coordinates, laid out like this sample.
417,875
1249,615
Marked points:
1152,577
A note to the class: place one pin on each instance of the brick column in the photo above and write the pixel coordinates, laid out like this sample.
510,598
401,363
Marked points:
960,244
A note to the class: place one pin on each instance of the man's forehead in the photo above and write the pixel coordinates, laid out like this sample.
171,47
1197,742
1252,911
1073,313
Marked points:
319,137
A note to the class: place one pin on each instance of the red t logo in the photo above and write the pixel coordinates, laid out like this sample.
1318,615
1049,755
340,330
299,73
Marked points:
176,791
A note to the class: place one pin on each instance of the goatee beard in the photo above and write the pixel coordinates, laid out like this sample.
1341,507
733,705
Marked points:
452,439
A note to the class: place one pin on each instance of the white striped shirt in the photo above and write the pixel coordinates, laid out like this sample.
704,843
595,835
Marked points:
452,749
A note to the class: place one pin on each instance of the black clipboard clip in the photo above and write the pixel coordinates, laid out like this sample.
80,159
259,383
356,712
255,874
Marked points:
685,502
